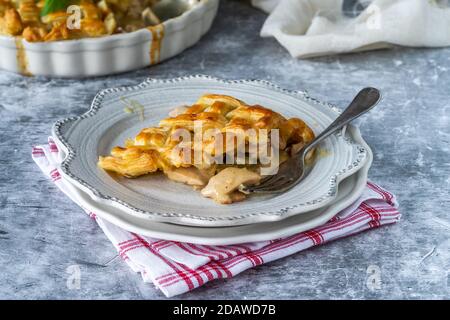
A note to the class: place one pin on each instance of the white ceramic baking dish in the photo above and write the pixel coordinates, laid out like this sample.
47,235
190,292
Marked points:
110,54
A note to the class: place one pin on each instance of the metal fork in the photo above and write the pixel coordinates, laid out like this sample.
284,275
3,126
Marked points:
294,170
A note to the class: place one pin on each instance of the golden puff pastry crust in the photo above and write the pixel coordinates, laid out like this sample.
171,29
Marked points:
97,18
158,148
222,113
133,161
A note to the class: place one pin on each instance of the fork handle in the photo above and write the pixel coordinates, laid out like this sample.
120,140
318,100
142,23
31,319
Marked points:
365,100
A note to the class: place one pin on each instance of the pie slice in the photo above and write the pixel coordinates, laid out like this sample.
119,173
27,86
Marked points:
214,145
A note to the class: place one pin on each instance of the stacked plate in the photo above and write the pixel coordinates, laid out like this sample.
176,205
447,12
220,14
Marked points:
159,208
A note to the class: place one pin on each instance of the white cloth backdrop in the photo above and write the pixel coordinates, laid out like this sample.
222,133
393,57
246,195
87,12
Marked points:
308,28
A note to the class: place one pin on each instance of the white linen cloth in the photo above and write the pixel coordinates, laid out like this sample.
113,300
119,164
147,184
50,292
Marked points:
308,28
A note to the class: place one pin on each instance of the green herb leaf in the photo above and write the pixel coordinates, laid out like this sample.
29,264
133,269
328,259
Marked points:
54,5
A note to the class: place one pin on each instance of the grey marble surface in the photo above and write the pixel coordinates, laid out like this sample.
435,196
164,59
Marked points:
42,233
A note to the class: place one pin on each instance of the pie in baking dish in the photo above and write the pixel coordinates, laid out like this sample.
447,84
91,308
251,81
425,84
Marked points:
47,20
220,160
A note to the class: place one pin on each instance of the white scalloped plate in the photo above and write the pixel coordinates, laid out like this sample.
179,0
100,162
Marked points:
156,198
110,54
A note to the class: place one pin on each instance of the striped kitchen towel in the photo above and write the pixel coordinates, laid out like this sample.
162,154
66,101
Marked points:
176,267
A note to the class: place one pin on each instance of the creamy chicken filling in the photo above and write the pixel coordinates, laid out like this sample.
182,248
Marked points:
223,186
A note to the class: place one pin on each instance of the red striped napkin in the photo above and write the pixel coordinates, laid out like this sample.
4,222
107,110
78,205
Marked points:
176,267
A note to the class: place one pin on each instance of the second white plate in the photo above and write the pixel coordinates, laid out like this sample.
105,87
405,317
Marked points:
350,190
